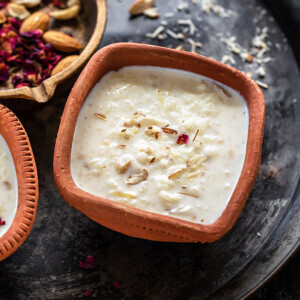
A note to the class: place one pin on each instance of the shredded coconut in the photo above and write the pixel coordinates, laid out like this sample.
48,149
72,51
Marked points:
156,32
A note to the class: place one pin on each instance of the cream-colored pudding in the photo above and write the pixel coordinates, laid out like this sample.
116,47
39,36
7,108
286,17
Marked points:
8,187
165,141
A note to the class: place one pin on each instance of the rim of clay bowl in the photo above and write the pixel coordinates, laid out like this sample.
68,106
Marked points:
45,91
133,221
19,145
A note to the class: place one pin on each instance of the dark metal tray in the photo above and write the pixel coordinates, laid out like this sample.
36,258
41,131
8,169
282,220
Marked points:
265,236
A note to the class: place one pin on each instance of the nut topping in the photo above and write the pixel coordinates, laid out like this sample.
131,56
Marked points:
138,177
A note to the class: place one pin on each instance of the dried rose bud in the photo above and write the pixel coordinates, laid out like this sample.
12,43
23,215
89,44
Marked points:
182,139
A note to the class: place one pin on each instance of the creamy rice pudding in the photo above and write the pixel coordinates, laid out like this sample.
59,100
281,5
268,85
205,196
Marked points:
8,187
161,140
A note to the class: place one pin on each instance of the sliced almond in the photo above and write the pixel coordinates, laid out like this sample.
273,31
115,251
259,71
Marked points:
100,116
169,130
151,13
188,194
152,133
65,14
146,121
196,161
27,3
193,175
121,147
63,64
123,165
62,41
139,6
38,20
17,11
138,177
123,195
176,174
169,197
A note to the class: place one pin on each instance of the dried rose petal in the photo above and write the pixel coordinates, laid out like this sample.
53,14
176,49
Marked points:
59,4
4,74
3,3
90,263
19,81
2,222
182,139
25,54
88,293
116,285
32,34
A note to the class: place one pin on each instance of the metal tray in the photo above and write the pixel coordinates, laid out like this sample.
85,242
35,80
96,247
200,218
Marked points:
265,236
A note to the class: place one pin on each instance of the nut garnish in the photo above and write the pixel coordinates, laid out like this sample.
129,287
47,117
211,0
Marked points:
160,99
27,3
65,14
145,121
169,130
38,20
196,161
138,177
17,11
262,84
101,116
139,6
123,195
177,173
63,64
197,131
152,160
62,41
188,194
151,13
151,132
123,165
121,146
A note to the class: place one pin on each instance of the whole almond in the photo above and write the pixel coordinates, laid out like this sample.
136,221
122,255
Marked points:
62,41
37,20
63,64
139,6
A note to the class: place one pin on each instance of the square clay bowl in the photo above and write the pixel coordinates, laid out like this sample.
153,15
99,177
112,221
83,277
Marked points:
129,220
18,143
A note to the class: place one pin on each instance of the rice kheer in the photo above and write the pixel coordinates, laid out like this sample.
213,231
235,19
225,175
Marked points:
161,140
8,187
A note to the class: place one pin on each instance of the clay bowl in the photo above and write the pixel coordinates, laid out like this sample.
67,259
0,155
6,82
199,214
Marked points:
15,136
88,28
132,221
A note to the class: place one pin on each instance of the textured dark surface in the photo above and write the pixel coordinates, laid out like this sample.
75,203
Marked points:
47,265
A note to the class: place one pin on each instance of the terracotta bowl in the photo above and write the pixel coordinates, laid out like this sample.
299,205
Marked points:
132,221
90,24
15,136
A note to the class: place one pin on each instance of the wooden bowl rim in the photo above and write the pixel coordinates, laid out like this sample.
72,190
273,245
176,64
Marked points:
16,137
45,91
184,61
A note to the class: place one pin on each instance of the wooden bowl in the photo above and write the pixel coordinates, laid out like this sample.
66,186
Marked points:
88,28
129,220
15,136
